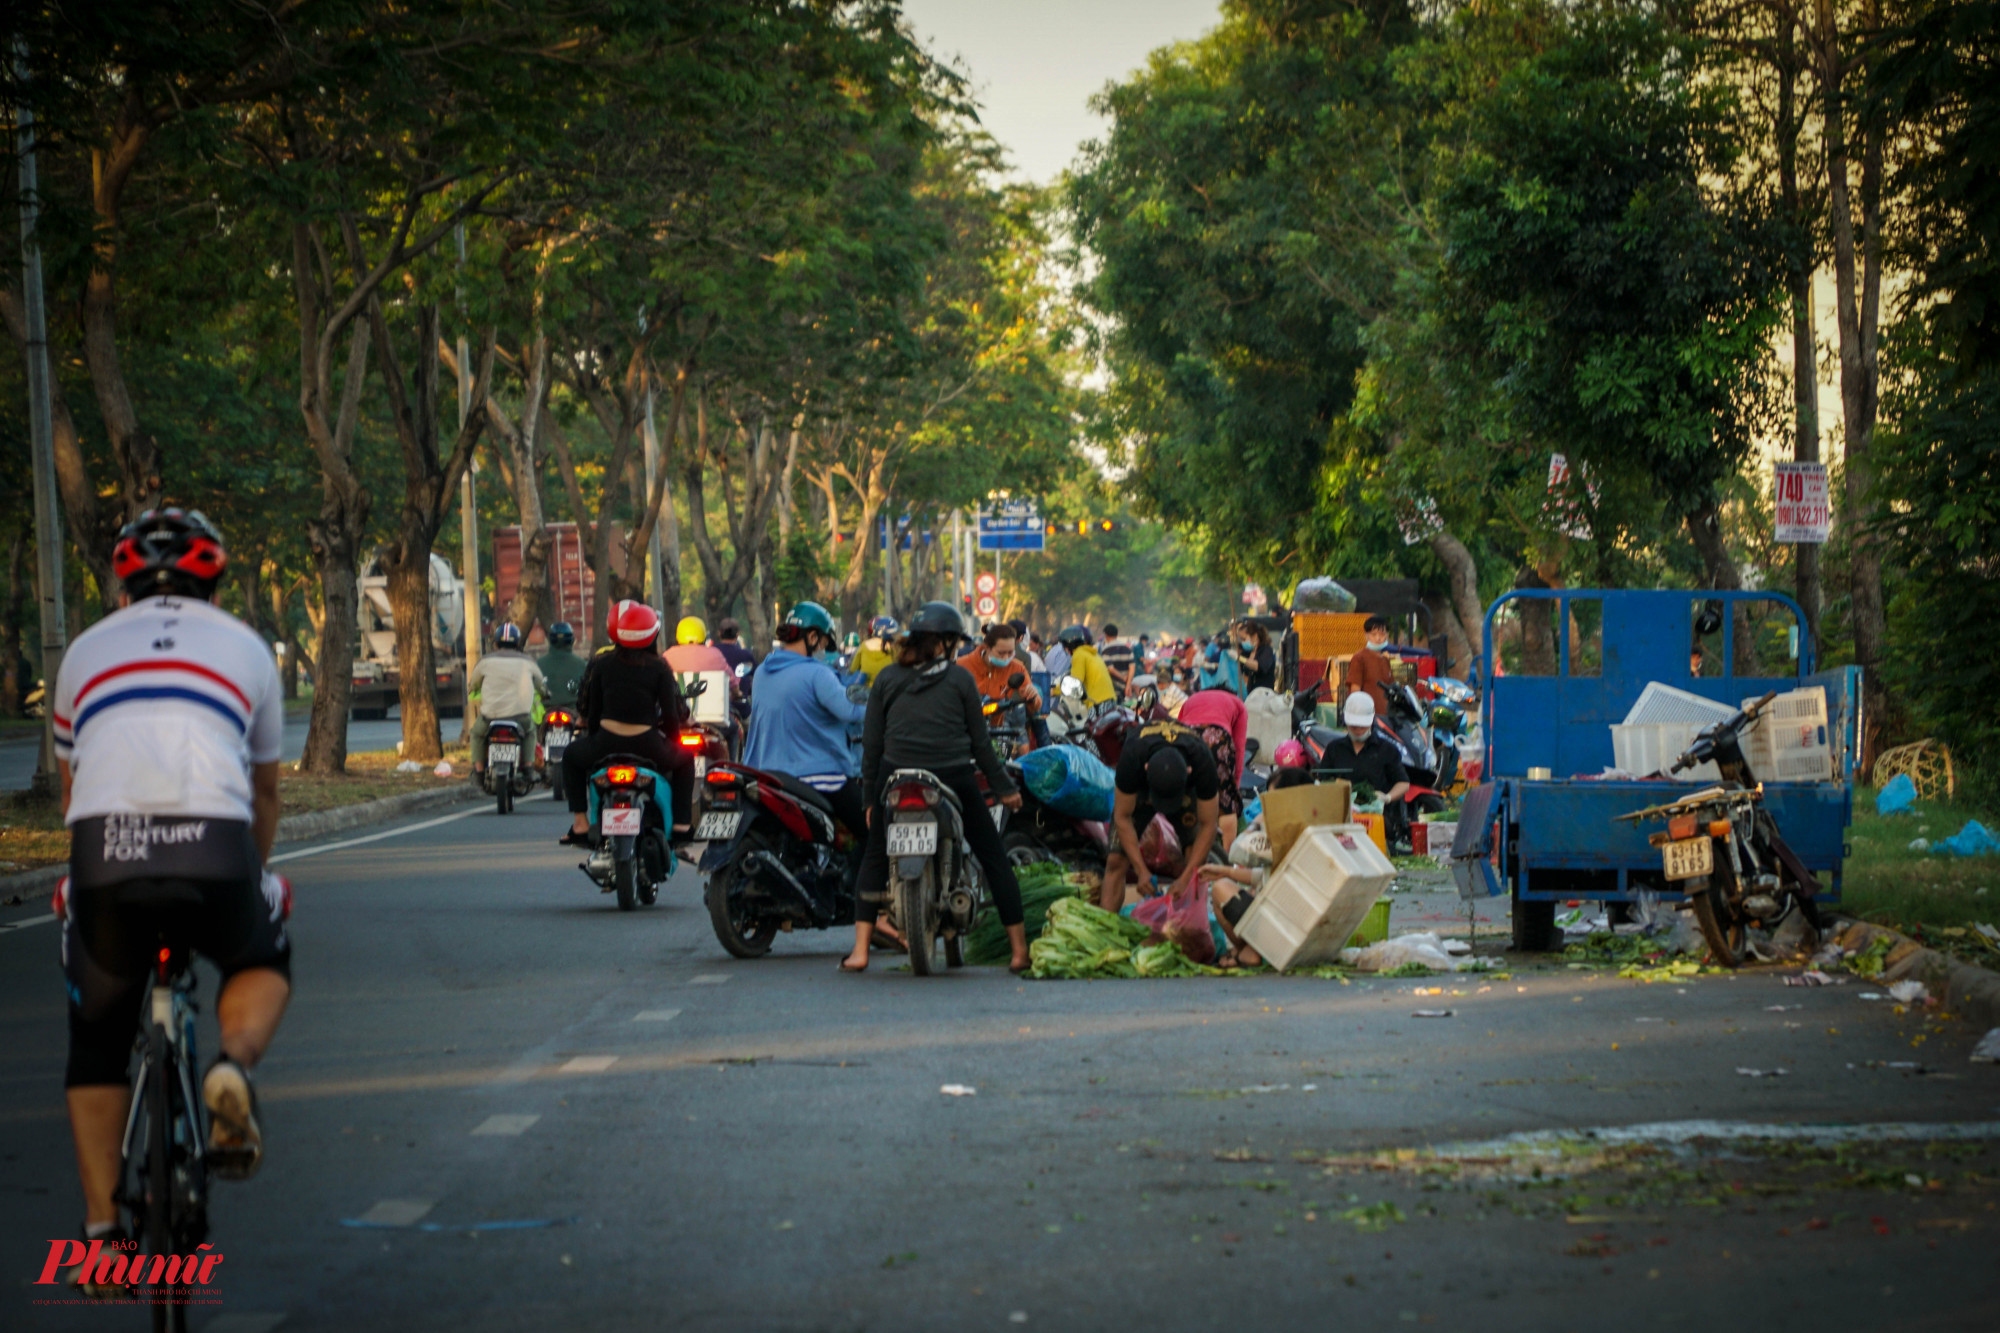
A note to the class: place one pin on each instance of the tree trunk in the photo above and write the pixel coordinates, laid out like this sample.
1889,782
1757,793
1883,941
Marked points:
335,538
1461,594
136,452
531,593
1538,620
10,628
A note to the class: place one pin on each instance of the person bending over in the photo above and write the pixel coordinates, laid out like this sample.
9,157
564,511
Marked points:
1166,768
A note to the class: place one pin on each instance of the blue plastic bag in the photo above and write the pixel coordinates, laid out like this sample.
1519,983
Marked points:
1975,839
1898,794
1069,780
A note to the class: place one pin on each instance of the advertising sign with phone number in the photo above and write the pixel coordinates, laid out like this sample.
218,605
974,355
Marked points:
1802,513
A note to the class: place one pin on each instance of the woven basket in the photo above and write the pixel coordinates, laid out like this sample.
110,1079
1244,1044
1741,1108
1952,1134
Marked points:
1928,762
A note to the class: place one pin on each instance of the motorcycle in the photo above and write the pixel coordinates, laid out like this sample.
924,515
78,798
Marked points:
558,730
777,858
1007,721
1722,846
510,770
633,857
936,887
1412,749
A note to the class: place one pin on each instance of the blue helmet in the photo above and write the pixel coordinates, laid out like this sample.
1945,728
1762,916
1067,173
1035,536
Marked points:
883,627
507,635
561,634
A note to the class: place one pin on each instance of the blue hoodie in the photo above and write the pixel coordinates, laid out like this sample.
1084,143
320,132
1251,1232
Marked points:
799,715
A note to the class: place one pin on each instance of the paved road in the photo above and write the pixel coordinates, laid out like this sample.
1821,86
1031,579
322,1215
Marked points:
17,757
676,1140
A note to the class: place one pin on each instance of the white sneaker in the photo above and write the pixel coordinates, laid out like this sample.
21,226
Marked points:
235,1144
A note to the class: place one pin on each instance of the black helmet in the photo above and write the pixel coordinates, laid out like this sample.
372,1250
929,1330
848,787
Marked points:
1074,637
561,634
937,618
169,551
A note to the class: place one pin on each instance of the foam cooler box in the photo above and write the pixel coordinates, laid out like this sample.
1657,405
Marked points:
1790,742
1313,903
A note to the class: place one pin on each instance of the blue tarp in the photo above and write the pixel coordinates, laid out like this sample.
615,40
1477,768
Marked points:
1898,794
1071,780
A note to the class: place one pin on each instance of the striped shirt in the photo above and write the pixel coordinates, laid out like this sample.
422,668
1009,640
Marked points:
161,708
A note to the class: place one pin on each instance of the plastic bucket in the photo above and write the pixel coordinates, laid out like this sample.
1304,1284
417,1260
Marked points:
1374,927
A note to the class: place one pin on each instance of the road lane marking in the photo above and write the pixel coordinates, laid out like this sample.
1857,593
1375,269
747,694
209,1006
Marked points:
506,1124
24,924
377,837
589,1064
709,979
656,1015
397,1212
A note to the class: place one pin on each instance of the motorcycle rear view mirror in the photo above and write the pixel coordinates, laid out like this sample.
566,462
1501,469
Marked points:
1016,681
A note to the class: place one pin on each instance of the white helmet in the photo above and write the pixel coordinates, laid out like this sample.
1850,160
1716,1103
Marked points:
1359,710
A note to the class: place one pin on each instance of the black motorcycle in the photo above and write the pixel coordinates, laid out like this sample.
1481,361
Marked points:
936,886
778,858
1723,848
510,770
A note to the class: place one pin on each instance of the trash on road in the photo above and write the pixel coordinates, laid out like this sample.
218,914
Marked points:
1812,976
959,1090
443,770
1869,995
1910,992
1898,794
1919,845
1423,949
1987,1052
1781,1008
409,766
1430,1013
1762,1073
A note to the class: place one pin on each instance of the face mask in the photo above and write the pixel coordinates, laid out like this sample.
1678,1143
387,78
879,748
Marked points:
1378,642
999,660
1246,644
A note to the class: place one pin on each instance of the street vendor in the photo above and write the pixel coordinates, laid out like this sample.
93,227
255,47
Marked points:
1369,670
1165,769
1367,757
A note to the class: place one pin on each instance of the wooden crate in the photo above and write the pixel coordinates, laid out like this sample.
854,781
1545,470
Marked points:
1324,634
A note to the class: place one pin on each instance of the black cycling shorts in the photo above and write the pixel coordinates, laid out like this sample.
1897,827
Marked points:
136,880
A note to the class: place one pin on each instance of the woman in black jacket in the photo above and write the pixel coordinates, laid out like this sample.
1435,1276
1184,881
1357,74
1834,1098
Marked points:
925,712
631,704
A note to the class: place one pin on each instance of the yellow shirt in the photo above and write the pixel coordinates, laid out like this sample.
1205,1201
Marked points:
871,660
1089,668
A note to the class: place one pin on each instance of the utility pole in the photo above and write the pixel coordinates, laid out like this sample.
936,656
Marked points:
655,569
41,436
468,524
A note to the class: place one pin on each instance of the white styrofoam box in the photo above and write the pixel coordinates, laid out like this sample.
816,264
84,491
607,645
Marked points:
1790,741
1441,834
1311,905
1664,703
712,704
1649,749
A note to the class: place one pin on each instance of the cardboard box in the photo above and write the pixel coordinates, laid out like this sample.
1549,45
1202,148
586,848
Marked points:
1292,810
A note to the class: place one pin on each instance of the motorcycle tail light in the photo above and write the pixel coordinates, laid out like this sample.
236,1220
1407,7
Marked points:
722,777
621,775
1719,828
1682,826
915,796
693,740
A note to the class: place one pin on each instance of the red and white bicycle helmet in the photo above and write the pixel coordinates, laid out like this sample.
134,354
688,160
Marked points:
634,624
169,551
1289,754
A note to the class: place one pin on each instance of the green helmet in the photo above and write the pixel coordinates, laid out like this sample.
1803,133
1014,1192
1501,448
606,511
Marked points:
810,615
852,641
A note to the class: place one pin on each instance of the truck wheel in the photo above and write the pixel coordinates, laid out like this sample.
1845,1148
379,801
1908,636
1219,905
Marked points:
1535,927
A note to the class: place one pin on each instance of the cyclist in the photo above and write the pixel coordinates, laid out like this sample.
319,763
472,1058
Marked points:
506,686
168,723
561,667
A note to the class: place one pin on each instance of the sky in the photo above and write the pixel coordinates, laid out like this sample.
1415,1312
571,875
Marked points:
1035,63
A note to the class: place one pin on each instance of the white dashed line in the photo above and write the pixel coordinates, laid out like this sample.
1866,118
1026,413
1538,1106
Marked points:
25,923
506,1124
656,1015
589,1064
397,1212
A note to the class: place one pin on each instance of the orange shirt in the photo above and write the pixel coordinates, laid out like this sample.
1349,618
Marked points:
1369,670
992,680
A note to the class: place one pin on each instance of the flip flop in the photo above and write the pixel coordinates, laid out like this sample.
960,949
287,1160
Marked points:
842,965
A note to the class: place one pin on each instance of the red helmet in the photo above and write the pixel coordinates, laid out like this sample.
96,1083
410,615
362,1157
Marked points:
175,551
634,624
1289,754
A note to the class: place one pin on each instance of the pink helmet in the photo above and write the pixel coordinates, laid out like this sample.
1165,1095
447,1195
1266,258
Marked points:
1289,754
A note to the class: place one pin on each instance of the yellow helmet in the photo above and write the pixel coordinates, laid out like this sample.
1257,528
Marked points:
691,630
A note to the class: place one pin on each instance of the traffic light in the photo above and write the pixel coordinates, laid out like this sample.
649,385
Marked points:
1082,526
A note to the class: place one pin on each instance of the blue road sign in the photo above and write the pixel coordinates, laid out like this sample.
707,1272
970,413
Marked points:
1012,525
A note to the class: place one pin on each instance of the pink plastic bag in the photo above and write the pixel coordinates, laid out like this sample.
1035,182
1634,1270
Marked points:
1180,919
1160,844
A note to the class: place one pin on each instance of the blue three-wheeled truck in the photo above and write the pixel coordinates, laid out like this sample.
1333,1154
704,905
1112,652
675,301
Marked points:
1543,824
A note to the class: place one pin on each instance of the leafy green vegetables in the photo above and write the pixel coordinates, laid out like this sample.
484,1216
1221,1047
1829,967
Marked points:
1042,885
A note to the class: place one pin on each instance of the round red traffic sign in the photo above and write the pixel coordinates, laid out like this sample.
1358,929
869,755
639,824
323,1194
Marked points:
986,583
986,607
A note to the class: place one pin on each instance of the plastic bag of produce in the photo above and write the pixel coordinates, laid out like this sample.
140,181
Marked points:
1071,780
1160,844
1180,919
1898,794
1321,595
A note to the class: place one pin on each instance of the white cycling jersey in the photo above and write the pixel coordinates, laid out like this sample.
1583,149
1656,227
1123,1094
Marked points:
161,708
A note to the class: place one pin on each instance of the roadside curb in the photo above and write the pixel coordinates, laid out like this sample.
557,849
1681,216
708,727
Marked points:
1971,992
31,884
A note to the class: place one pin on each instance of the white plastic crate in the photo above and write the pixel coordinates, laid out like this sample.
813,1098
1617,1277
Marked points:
1650,748
1791,741
1313,903
1664,703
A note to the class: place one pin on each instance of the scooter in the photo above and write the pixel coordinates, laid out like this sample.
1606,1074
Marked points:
510,770
1722,846
558,730
936,887
632,857
777,858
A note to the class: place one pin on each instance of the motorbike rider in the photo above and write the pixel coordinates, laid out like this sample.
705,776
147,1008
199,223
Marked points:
1119,658
1368,757
1087,666
168,721
692,653
878,649
630,704
1165,768
507,686
800,715
924,712
994,661
561,667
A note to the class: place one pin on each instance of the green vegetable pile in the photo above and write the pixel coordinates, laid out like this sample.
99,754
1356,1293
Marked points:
1083,941
1042,885
1869,962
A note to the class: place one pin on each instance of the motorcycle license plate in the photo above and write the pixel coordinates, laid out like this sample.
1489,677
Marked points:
1689,858
717,825
622,821
919,839
558,737
505,754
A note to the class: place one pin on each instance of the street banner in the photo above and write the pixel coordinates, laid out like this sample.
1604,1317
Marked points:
1803,515
1011,525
